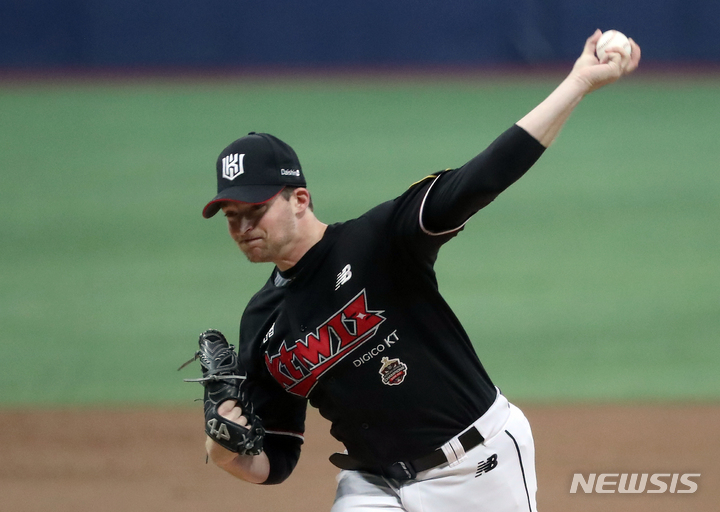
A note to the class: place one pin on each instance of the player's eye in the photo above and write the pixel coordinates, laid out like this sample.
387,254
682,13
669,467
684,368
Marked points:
257,210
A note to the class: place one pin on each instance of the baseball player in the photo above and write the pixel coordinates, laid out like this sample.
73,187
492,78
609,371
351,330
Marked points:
351,321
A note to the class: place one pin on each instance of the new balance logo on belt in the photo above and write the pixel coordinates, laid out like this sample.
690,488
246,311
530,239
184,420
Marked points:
487,465
343,277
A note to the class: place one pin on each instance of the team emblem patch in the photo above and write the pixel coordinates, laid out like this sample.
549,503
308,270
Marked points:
392,371
232,166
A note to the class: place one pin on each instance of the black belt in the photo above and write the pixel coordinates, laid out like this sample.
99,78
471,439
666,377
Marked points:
406,470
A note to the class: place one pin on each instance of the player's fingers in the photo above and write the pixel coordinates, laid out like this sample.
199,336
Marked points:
226,407
624,59
634,57
616,58
591,42
235,415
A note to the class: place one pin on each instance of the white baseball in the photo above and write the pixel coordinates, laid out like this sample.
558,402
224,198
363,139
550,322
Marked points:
612,39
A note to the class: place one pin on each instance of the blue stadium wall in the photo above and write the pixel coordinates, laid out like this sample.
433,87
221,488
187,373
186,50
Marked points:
41,34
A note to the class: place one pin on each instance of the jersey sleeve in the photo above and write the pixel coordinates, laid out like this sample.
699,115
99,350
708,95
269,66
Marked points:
454,196
283,417
282,414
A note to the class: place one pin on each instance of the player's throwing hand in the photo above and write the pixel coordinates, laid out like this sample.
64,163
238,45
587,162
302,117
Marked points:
596,74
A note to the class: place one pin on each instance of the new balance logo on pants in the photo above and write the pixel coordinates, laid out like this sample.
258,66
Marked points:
487,465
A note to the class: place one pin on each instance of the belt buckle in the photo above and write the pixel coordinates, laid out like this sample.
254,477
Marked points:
400,471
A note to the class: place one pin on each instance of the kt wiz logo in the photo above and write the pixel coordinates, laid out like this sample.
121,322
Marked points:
232,166
609,483
298,366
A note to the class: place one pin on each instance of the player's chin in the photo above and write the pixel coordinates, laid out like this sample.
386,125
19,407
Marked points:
255,254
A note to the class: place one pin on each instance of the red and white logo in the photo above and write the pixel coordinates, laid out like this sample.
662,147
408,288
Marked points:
299,366
392,371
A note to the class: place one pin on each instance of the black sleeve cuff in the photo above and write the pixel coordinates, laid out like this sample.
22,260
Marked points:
283,453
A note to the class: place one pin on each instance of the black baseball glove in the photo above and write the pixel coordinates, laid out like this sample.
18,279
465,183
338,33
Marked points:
219,367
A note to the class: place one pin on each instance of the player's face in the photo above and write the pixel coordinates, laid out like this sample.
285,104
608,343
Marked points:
263,232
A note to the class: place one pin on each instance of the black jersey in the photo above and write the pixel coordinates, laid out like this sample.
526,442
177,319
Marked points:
359,328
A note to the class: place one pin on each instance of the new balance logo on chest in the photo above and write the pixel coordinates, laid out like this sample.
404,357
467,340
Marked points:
269,334
343,277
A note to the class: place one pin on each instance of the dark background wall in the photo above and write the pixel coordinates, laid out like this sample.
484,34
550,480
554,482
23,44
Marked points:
227,33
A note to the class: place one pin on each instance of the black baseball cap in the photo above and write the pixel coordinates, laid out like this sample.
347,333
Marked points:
254,169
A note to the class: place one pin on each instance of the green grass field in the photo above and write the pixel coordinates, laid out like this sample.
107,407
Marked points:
596,277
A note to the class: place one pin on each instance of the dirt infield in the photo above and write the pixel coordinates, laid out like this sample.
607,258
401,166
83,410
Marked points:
148,460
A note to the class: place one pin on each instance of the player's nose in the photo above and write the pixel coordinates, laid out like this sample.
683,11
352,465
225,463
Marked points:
246,224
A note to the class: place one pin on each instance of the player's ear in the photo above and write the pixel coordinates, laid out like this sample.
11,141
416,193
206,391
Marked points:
302,199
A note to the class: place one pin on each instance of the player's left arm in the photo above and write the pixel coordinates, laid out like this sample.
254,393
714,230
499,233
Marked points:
281,449
251,468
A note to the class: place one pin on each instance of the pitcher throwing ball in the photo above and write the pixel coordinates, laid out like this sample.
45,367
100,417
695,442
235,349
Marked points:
351,320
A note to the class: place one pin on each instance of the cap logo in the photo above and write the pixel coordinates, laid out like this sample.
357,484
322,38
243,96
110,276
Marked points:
290,172
232,166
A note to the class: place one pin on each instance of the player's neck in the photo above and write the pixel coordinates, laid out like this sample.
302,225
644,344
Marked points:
311,232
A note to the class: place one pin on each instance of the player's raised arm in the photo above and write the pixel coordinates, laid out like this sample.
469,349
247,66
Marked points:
588,74
458,195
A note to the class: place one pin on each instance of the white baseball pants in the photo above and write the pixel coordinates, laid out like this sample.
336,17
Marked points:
495,476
